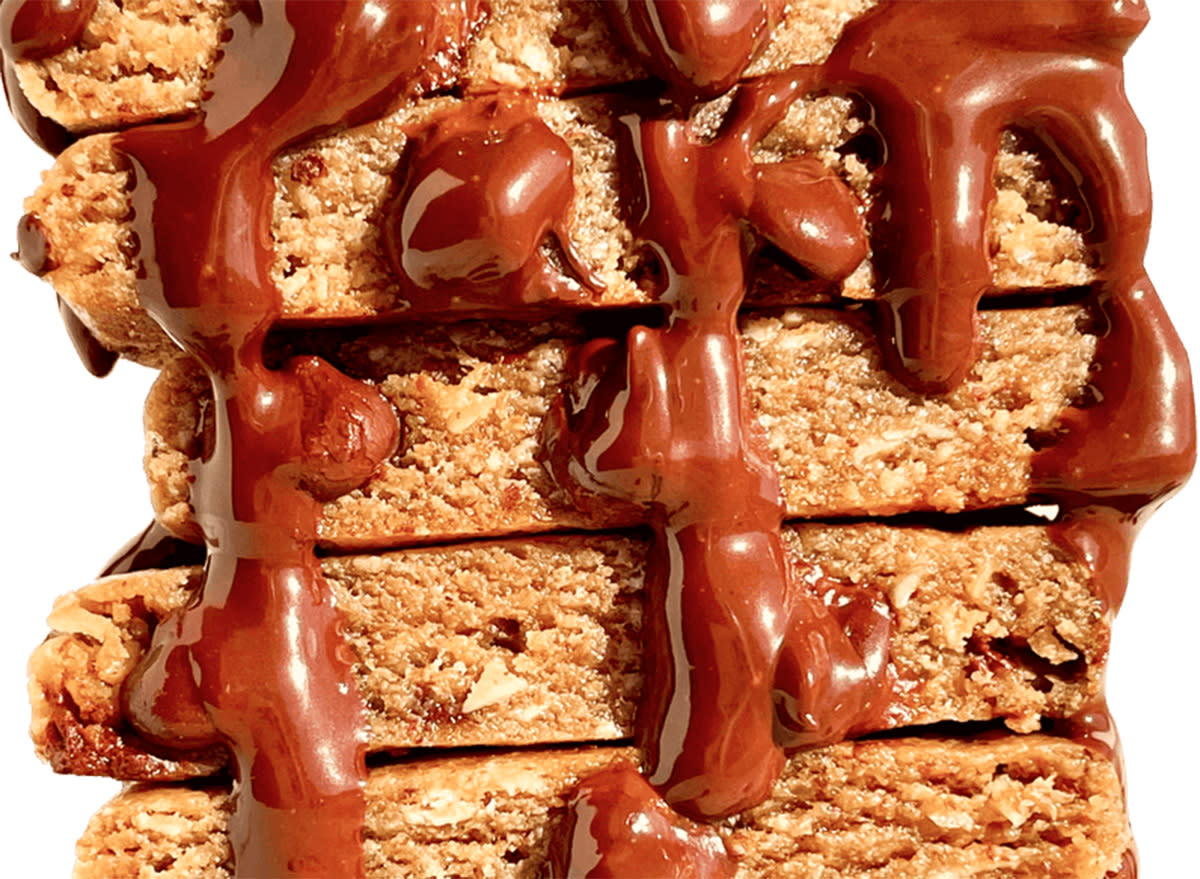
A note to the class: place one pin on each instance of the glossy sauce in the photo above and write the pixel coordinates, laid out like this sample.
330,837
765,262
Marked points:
33,254
482,188
30,30
287,439
676,440
746,659
661,421
260,663
154,548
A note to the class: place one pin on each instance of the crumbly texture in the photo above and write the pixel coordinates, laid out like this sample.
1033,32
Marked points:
1028,807
847,437
142,60
535,640
538,641
76,676
333,195
990,622
138,60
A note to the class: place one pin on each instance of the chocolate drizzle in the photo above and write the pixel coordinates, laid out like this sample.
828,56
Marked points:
1053,72
679,442
30,30
483,187
33,253
286,438
939,114
153,548
743,660
746,659
700,47
618,805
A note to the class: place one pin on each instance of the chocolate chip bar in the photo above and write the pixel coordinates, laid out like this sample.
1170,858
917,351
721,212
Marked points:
656,422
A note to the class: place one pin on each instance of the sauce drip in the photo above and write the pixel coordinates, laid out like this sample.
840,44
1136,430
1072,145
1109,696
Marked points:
745,658
286,439
31,30
96,359
742,660
153,548
618,804
483,186
700,47
33,253
1052,71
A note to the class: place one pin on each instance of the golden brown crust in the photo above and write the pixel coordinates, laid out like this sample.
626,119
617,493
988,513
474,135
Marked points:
902,809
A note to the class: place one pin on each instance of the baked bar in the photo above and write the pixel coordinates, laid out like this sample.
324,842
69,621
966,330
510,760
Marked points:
138,62
333,198
898,809
675,185
848,438
539,641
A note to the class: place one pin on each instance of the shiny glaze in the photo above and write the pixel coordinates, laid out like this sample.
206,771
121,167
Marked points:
96,359
700,47
1094,728
31,30
745,658
742,660
1053,71
36,29
33,250
33,253
286,439
939,115
153,548
483,186
618,804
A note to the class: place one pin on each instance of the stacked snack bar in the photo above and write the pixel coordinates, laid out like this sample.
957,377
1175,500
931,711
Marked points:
693,309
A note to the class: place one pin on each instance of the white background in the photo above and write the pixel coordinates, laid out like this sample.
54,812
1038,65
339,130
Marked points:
73,492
